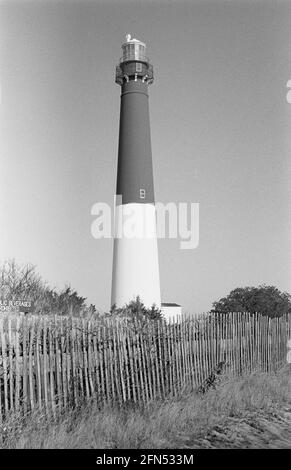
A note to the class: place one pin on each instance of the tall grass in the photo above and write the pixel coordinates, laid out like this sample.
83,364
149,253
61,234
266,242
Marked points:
175,423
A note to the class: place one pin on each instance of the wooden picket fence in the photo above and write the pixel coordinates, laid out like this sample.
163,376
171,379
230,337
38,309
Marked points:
52,363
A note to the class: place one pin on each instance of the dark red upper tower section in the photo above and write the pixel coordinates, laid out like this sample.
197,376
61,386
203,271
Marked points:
135,171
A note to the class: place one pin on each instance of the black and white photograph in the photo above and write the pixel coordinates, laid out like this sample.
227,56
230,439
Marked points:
145,230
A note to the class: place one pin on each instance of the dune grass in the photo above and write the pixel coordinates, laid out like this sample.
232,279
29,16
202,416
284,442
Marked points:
174,423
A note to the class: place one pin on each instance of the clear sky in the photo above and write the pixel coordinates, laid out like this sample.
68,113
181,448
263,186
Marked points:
220,126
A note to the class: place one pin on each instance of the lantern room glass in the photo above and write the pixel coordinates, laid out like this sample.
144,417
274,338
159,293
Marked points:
134,50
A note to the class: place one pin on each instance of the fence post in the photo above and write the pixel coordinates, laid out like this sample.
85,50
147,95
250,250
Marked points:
62,365
57,363
51,370
110,358
45,364
90,357
11,371
73,339
30,365
4,363
135,361
38,369
85,361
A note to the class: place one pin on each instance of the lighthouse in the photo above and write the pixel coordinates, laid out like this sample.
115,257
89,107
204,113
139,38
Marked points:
135,253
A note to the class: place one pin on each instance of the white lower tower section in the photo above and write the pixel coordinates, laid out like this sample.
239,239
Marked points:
135,258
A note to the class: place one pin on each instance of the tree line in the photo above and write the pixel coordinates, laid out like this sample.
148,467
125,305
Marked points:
24,282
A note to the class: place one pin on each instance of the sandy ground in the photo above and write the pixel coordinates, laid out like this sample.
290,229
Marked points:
257,430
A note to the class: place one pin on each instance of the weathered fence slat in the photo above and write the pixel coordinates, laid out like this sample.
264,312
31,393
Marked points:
56,346
17,361
106,368
152,371
45,367
63,363
38,367
24,364
111,360
101,364
79,360
135,363
84,358
90,358
11,371
117,372
52,370
30,365
4,362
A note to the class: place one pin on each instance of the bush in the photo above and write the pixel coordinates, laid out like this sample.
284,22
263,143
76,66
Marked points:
136,310
22,282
